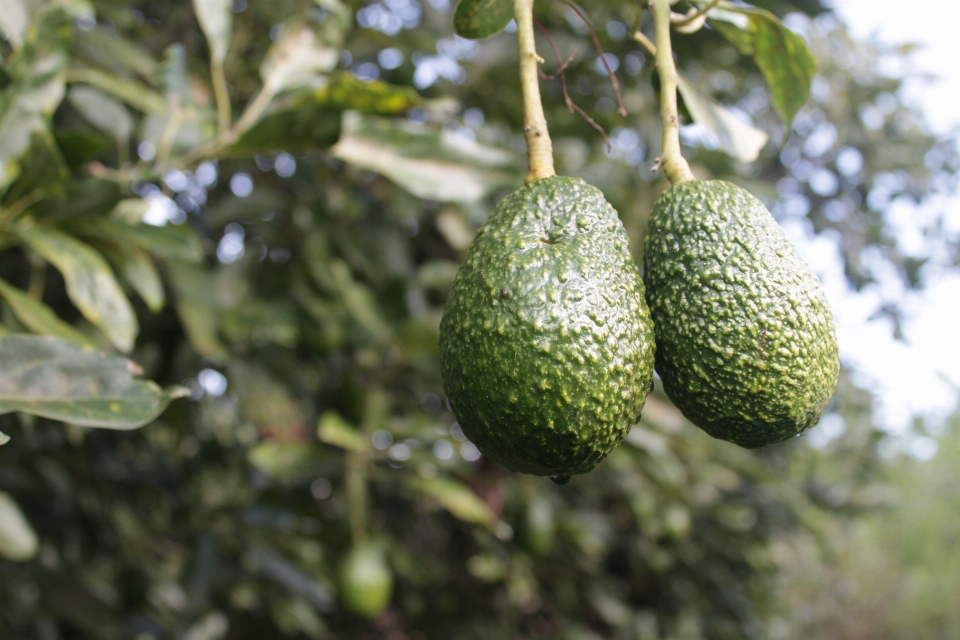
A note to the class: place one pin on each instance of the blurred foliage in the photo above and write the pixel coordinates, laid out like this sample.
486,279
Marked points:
288,264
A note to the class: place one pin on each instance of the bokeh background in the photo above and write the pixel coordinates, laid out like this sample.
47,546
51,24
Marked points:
292,278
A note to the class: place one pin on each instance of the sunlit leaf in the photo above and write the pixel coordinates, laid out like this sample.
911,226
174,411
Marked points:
333,429
13,21
91,284
476,19
456,498
424,161
4,438
102,111
193,287
736,138
59,380
215,18
786,63
296,60
38,317
18,541
739,36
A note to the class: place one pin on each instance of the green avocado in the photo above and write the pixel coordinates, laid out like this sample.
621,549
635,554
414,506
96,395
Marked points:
546,343
746,346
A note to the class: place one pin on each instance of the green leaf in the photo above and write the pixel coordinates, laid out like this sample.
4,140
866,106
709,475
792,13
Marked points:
193,285
215,18
426,162
117,55
785,61
456,498
138,269
18,541
299,128
91,284
38,317
26,104
56,379
738,36
333,429
169,242
102,111
286,461
13,21
345,91
4,438
737,139
296,60
136,94
476,19
80,147
41,169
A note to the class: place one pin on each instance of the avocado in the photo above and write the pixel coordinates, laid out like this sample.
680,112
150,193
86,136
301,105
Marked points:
746,346
546,342
366,582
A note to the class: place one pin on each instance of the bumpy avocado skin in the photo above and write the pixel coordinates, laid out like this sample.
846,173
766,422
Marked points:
546,342
746,346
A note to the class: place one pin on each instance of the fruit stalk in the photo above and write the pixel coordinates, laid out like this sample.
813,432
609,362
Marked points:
671,159
539,146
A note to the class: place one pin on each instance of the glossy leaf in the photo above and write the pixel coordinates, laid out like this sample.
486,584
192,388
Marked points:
456,498
476,19
296,60
215,18
428,163
18,541
736,138
38,317
59,380
91,284
102,111
786,63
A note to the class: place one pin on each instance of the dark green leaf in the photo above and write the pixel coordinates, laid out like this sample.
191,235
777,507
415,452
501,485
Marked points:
193,287
742,39
80,147
114,53
38,317
59,380
476,19
786,63
90,282
300,128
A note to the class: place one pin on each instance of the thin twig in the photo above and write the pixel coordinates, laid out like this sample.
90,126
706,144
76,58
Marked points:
571,105
642,38
621,109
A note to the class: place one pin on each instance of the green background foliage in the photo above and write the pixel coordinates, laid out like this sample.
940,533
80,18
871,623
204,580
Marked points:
289,266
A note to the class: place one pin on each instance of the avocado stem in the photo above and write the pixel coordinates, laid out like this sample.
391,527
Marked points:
674,164
539,146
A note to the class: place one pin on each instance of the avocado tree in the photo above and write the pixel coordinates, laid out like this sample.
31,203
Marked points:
264,206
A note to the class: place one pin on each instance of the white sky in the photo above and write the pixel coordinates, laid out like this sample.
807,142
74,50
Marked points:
921,376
